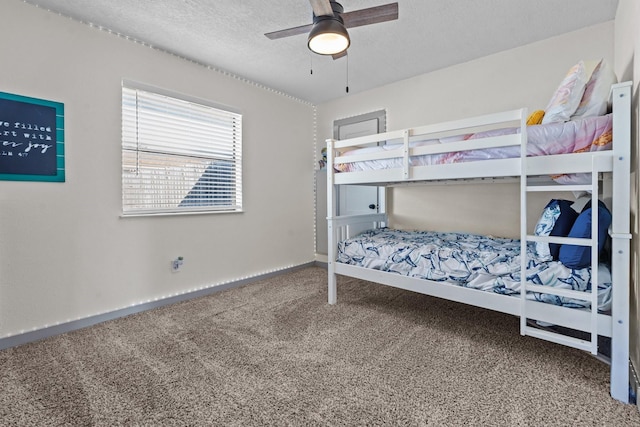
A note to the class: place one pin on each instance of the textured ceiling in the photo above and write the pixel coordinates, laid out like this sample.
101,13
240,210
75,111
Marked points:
429,35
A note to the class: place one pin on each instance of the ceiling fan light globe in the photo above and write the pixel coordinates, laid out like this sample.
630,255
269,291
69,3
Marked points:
328,44
328,37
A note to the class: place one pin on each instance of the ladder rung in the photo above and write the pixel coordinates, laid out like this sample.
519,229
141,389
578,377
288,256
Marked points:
561,339
561,292
560,240
558,187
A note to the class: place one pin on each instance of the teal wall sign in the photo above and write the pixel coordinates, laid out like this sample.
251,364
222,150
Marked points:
31,139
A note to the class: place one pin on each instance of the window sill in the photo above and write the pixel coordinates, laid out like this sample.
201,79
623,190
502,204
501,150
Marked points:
152,214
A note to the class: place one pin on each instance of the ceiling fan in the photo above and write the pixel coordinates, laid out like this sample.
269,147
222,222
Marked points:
328,33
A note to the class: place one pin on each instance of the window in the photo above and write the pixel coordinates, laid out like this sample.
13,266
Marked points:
179,155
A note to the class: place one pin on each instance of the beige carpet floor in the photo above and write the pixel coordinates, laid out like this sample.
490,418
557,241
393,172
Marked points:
275,353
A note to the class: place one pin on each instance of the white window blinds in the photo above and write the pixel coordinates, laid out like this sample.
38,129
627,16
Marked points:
179,155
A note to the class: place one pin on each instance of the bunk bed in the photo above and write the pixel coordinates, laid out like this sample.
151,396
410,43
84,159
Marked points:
488,147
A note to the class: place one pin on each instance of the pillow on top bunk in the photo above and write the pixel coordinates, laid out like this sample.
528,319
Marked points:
574,256
595,100
535,118
567,97
557,219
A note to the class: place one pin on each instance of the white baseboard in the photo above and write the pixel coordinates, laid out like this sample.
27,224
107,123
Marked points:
46,332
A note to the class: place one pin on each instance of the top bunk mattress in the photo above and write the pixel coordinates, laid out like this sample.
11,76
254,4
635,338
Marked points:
576,136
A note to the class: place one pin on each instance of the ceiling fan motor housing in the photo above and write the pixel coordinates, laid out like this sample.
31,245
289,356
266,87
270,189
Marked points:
337,11
329,35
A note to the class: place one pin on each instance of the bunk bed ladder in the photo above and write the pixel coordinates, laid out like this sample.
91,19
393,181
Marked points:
618,160
591,345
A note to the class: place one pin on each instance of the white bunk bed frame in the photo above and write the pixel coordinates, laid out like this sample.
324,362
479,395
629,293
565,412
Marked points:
613,164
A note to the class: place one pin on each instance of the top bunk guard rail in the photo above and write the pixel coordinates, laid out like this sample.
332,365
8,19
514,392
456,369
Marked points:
404,151
450,147
435,129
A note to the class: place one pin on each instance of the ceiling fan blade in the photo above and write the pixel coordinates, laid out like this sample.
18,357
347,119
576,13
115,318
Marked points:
357,18
371,15
321,7
339,55
303,29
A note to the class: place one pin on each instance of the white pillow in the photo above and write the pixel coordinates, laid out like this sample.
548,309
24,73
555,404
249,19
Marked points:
567,97
595,99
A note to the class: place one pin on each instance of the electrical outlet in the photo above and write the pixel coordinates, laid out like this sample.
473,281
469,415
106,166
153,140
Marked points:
176,264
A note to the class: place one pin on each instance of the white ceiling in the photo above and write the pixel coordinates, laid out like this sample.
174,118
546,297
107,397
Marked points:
430,34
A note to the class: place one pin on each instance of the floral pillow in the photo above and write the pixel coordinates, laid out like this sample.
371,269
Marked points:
557,219
545,224
567,97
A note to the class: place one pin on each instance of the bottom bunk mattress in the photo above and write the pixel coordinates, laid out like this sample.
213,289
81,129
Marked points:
480,262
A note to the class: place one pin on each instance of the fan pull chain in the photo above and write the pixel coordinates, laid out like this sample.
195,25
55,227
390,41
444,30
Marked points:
347,74
311,61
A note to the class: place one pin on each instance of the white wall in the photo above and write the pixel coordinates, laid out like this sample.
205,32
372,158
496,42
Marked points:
627,66
521,77
66,254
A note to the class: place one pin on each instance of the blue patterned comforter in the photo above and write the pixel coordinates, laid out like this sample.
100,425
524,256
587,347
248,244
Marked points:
473,261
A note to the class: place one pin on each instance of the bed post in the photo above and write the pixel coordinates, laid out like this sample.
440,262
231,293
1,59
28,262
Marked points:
332,291
523,220
620,241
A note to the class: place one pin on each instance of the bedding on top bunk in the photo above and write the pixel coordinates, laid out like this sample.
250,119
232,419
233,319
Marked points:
469,260
576,136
